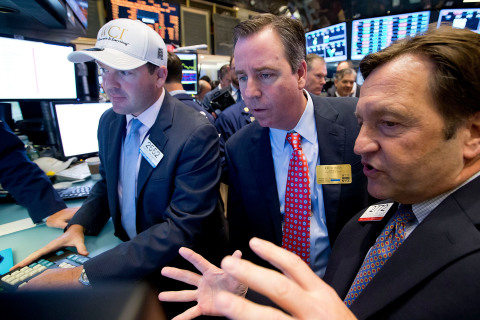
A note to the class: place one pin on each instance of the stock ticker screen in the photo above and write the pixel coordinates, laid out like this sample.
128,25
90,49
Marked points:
329,43
460,18
189,71
162,16
374,34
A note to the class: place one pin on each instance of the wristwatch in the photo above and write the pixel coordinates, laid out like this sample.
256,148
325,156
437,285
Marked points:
84,279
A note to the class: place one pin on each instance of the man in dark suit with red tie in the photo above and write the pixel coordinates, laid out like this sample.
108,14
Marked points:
416,255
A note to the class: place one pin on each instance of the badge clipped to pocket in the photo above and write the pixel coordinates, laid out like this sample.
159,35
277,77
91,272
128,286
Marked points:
151,153
334,174
376,212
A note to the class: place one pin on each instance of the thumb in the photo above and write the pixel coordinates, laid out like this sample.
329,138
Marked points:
81,248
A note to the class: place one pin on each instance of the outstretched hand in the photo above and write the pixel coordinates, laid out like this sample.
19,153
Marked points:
212,281
299,291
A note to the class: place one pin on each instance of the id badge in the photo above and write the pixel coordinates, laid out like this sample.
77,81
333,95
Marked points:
334,174
151,153
376,212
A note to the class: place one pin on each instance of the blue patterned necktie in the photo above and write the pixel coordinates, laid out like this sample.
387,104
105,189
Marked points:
387,242
296,229
131,149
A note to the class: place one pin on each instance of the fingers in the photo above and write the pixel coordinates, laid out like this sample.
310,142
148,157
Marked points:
81,248
178,296
182,275
197,260
270,283
54,245
235,307
289,263
237,254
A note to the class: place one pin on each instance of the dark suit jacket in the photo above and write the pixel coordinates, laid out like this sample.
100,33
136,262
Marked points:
434,274
190,101
253,204
24,180
228,122
177,202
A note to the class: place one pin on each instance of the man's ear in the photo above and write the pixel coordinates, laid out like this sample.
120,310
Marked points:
302,74
472,143
161,73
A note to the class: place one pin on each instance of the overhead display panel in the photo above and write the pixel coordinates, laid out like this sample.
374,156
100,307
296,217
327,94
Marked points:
374,34
329,43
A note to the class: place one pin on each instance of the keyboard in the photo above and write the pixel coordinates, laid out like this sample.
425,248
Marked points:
74,192
62,258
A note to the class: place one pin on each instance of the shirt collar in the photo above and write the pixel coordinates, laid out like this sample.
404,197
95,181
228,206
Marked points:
175,92
423,209
306,126
233,88
149,116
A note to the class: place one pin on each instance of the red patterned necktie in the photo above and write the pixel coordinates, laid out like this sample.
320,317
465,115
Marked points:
296,229
387,242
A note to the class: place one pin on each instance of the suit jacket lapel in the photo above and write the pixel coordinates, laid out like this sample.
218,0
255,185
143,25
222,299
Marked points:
113,151
445,235
263,175
158,137
331,145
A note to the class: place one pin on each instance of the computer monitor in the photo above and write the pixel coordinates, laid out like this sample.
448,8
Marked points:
76,126
329,43
35,70
189,71
460,18
164,17
374,34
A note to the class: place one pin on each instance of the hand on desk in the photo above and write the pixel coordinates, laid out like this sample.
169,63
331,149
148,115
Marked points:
213,281
61,218
73,237
56,278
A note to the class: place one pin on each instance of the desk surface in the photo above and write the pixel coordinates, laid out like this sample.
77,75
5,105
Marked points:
27,241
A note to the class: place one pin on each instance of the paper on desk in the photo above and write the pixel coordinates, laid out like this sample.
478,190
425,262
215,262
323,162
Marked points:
15,226
7,262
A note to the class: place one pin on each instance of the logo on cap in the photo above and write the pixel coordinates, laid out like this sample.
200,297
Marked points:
113,33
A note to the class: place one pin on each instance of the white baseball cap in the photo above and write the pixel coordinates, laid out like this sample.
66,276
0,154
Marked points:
125,44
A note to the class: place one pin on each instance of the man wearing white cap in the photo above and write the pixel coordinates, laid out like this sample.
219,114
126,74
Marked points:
159,165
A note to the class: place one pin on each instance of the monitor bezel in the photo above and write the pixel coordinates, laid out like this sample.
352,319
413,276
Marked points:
56,128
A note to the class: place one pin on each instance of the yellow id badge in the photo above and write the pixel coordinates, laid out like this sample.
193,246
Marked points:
334,174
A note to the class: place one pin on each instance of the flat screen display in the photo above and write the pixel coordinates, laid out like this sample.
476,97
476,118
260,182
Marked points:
189,71
374,34
76,125
460,18
35,70
329,43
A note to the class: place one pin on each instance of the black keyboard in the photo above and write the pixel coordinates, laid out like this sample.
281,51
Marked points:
62,258
76,192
